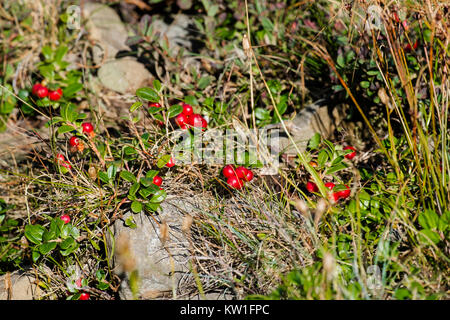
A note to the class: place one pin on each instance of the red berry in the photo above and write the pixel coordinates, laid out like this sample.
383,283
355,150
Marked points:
154,104
181,120
84,296
187,109
234,182
171,163
344,193
241,172
396,17
336,196
197,120
42,92
35,88
248,175
228,171
78,283
66,164
62,161
351,155
60,157
157,180
311,187
87,127
65,218
330,185
74,141
55,95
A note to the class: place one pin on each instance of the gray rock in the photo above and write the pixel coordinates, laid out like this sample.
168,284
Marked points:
19,285
314,118
106,28
176,33
17,141
157,249
124,75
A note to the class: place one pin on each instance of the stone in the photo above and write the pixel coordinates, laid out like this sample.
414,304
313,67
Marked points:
177,33
157,248
124,75
19,285
17,141
314,118
106,28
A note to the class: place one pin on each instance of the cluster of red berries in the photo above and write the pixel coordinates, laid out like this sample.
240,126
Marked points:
237,177
189,118
61,160
343,194
42,91
76,143
351,155
404,23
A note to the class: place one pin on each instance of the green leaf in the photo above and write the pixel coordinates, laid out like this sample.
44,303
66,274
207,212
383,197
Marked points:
267,24
146,182
337,160
157,85
34,233
163,160
60,53
104,285
340,61
175,110
191,100
262,114
158,196
47,247
69,250
135,106
47,52
444,221
129,151
151,174
203,82
322,158
129,222
67,243
69,230
65,128
314,141
428,235
47,71
335,168
72,89
152,206
95,245
112,171
136,206
128,176
134,188
364,84
148,94
53,121
53,232
429,219
145,193
103,177
153,110
35,255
